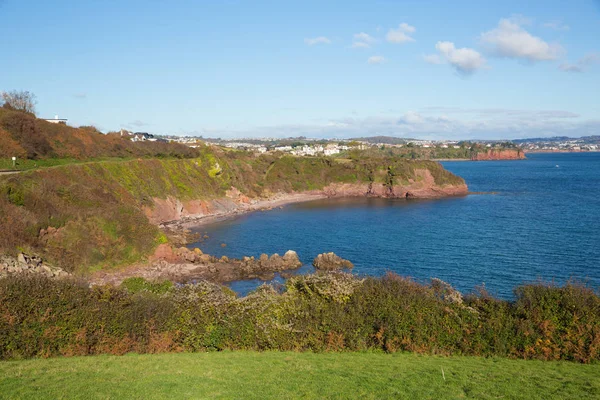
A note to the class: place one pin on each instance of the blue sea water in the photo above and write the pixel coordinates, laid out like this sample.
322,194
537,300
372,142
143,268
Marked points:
536,220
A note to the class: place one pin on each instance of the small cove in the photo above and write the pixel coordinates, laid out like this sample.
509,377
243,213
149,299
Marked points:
529,221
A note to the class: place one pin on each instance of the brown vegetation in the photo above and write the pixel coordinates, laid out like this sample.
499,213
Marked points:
23,135
40,317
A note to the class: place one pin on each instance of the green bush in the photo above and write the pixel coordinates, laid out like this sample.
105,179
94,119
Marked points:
136,285
40,317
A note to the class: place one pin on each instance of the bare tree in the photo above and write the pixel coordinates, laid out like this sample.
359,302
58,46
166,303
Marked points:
20,100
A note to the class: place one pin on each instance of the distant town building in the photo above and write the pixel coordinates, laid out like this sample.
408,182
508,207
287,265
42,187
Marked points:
57,120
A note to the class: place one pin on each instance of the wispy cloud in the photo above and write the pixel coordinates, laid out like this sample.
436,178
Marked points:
436,123
136,124
582,64
80,95
317,40
465,61
360,45
376,60
402,34
433,59
556,25
363,40
503,112
510,40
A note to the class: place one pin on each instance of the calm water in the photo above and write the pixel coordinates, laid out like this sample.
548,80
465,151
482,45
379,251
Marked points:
541,223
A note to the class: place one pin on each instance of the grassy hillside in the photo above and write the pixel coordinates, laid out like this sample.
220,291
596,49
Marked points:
97,206
270,375
28,138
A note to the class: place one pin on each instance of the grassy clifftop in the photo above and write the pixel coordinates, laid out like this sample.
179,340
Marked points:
94,210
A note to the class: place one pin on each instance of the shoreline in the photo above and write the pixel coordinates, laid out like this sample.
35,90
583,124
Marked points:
280,200
260,205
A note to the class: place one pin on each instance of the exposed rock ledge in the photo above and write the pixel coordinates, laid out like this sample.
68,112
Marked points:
183,265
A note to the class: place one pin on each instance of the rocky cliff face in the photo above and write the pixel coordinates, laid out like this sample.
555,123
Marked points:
423,186
513,154
103,214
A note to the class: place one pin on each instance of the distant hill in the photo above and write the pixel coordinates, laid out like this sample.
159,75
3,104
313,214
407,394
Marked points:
595,139
383,139
25,136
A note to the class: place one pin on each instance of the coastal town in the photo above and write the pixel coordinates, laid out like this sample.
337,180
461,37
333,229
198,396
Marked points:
302,146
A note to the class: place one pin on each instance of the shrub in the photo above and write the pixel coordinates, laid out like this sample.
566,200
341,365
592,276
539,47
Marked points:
41,317
136,285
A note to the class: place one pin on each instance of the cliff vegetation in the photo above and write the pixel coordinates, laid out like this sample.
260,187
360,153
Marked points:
93,215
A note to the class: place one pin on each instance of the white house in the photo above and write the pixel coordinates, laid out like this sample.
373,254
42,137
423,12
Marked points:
57,120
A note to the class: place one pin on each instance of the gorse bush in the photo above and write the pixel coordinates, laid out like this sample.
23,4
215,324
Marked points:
40,317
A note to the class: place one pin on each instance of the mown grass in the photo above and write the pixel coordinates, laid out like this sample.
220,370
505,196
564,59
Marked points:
281,375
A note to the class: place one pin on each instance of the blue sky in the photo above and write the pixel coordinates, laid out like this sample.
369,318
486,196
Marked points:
426,69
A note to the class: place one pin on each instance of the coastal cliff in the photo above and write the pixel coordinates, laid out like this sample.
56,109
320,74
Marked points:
99,215
192,212
493,154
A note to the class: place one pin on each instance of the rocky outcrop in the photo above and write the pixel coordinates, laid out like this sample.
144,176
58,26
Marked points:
331,262
184,265
25,264
423,187
172,209
492,154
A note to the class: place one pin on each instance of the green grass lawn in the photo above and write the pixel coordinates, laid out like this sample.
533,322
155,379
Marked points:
25,164
249,375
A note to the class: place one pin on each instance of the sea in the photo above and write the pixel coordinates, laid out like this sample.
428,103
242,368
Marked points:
525,221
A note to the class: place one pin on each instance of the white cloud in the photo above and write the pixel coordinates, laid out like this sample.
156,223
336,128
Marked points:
402,34
360,45
435,123
582,64
411,117
376,60
556,25
364,37
317,40
433,59
510,40
466,61
363,40
407,28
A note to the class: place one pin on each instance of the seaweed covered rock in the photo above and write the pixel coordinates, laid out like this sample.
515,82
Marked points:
331,262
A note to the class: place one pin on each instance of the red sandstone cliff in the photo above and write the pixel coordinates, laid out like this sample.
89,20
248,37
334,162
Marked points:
422,187
512,154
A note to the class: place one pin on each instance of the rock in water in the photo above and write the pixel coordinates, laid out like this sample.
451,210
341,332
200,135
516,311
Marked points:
330,262
291,259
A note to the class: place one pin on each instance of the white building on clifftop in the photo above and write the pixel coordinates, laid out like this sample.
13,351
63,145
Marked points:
57,120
